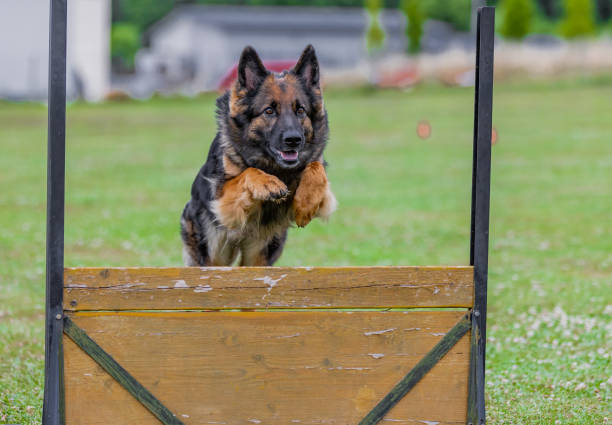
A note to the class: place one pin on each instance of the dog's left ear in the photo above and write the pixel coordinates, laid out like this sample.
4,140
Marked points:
307,67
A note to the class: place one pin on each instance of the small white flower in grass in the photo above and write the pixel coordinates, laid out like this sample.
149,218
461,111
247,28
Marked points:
610,381
581,386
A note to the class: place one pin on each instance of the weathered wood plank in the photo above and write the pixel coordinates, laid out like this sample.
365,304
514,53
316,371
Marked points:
119,374
430,360
247,368
260,287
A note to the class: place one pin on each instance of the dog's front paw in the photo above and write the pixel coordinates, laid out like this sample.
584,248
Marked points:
310,194
266,187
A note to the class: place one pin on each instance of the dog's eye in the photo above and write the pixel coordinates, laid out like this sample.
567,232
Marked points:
268,111
300,111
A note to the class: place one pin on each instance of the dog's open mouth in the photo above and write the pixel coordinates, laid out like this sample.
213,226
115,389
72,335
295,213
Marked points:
289,156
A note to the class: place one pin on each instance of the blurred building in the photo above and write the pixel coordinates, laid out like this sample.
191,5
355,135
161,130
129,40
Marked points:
24,31
195,45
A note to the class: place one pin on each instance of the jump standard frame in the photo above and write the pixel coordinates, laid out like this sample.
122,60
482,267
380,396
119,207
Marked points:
341,288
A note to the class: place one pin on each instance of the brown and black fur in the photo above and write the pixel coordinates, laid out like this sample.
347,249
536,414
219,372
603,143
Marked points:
251,190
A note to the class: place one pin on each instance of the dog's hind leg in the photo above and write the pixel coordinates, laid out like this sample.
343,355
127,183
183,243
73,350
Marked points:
274,249
195,250
195,247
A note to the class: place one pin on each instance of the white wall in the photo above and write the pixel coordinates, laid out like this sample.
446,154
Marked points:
89,23
24,44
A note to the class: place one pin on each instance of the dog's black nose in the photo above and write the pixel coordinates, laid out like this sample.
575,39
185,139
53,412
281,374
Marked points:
292,139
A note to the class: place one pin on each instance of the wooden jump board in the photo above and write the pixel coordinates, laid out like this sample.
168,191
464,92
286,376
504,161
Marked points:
267,345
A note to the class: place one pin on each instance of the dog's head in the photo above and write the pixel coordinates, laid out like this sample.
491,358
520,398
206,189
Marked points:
277,122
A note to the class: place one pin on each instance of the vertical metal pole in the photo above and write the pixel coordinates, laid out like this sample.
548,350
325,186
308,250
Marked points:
53,397
481,182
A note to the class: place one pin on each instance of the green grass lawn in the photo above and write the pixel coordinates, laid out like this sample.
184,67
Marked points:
403,201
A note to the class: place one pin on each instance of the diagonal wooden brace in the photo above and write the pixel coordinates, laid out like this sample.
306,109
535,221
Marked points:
418,372
121,375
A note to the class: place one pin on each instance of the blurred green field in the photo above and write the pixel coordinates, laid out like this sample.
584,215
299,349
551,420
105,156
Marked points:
403,200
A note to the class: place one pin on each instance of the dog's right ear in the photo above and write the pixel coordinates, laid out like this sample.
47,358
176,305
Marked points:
251,71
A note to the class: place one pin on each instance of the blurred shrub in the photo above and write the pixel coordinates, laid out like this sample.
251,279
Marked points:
125,42
455,12
375,36
414,23
517,19
579,19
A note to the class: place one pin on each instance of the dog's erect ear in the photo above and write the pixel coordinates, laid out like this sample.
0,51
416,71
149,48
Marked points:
251,71
307,67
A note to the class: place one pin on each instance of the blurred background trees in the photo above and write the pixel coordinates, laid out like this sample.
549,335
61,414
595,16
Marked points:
415,19
375,36
517,19
579,18
558,18
125,42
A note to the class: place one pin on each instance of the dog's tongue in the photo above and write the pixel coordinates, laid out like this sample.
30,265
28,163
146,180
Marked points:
289,156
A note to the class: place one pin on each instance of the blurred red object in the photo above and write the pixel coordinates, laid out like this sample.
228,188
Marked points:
494,136
230,76
424,129
399,78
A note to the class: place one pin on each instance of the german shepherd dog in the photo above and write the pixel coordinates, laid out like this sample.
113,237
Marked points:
265,168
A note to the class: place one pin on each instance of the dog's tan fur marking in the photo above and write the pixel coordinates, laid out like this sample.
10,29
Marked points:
235,105
242,195
308,131
230,167
313,196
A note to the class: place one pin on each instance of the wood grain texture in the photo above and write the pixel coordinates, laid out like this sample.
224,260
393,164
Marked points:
210,288
244,368
430,360
119,374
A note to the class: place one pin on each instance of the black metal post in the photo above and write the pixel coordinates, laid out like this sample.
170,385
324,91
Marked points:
481,184
53,398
